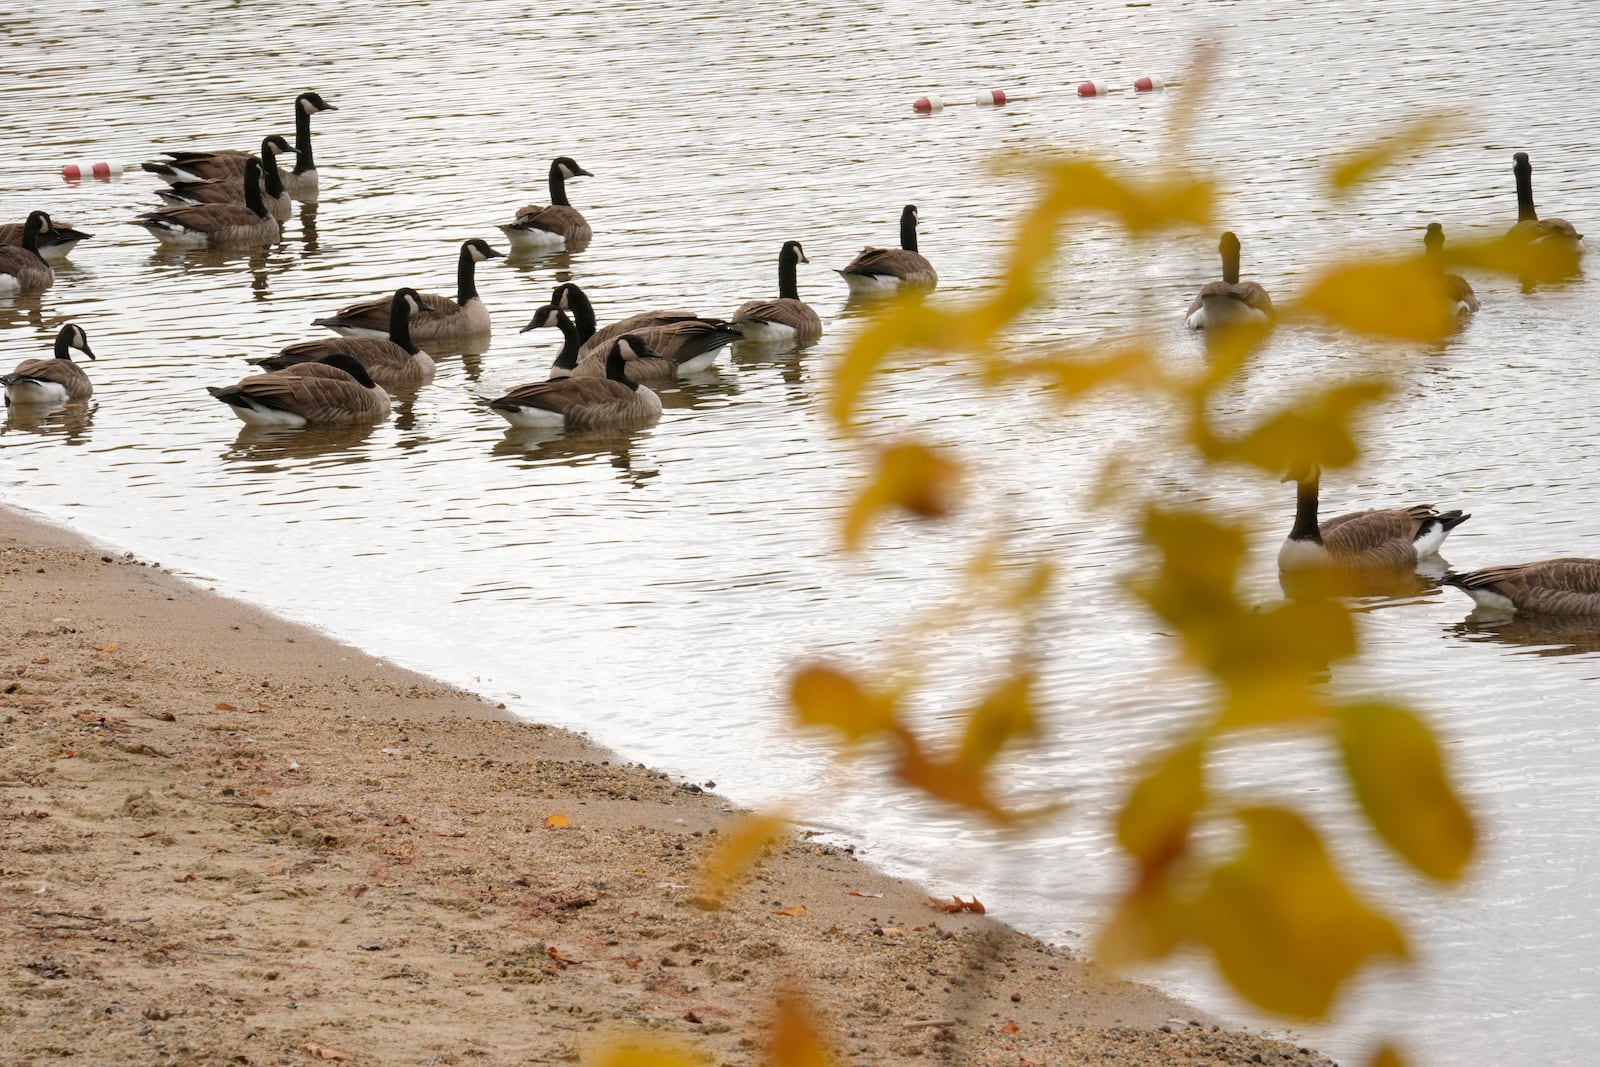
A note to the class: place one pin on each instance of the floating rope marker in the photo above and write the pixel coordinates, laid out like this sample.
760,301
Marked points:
101,170
1149,85
932,105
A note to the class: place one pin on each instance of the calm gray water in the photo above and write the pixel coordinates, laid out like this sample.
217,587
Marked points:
654,588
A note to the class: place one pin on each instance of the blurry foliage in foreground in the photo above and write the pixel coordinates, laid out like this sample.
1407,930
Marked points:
1248,882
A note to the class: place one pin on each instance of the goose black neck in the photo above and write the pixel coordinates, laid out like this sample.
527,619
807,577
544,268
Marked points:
1230,263
64,343
466,277
31,230
558,186
568,359
302,140
400,324
582,312
252,187
617,368
1524,173
1433,242
269,170
788,275
908,230
1305,510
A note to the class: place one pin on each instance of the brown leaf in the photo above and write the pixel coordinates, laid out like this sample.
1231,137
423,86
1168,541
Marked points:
1010,1027
226,707
559,956
956,904
557,821
858,893
796,909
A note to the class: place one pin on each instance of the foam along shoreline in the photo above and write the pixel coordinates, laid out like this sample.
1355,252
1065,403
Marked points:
223,834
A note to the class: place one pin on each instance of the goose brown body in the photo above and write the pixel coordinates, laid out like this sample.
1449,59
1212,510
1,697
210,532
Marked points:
52,381
786,319
1229,302
22,268
881,271
1378,538
586,403
440,317
1567,586
552,227
54,243
336,392
228,225
394,362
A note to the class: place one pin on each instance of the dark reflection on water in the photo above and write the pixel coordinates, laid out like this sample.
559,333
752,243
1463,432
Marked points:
531,448
1535,635
70,422
255,444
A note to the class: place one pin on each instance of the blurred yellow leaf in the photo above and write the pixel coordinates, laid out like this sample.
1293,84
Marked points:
1005,713
907,322
1153,825
1399,777
796,1040
828,697
739,846
1316,430
953,781
1275,699
1200,557
1070,375
1396,300
909,477
1282,925
1416,135
640,1051
1387,1055
557,821
1140,205
1147,924
1530,261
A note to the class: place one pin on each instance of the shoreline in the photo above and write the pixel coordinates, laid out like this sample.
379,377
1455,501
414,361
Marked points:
227,835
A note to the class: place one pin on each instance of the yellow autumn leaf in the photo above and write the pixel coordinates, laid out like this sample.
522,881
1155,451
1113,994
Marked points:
1153,825
1386,1055
557,821
908,476
1415,136
1004,714
1291,640
622,1050
1282,924
1530,261
953,781
1147,924
1274,699
1318,429
1398,775
827,697
1394,300
1084,187
1067,376
907,322
1199,558
796,1040
740,844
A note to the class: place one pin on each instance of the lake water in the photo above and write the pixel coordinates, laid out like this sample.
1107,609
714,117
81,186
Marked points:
654,588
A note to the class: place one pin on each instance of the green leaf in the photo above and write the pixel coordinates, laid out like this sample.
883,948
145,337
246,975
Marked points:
1398,775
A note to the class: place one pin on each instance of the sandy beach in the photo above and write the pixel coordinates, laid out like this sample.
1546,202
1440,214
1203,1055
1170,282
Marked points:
227,839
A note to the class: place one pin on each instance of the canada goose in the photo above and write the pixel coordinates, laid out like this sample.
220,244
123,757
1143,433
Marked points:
1529,226
217,225
1381,537
394,362
52,381
225,163
1457,290
231,190
550,315
335,391
586,403
787,320
1229,302
554,227
681,342
1567,586
881,271
55,242
570,298
440,317
22,268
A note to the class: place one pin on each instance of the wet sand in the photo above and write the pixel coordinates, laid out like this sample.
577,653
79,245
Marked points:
225,838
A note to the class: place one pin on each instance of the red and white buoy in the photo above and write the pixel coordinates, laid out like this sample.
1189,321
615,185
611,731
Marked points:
100,170
1094,89
929,105
1149,85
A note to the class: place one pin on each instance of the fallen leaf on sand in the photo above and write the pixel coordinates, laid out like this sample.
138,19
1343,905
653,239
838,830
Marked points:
798,909
955,904
557,821
858,893
1010,1027
559,956
226,707
325,1052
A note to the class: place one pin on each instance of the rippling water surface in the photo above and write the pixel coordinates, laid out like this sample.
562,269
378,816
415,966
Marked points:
653,588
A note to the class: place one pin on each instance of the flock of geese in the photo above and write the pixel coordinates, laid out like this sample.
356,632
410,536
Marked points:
603,376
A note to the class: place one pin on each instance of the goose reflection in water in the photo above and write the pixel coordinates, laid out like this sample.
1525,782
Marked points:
256,444
70,422
224,261
1371,588
534,447
308,229
1539,635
